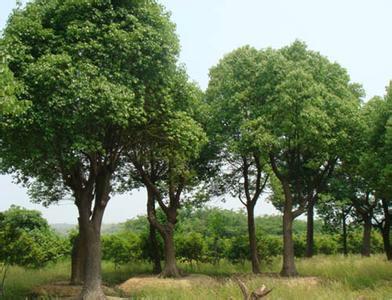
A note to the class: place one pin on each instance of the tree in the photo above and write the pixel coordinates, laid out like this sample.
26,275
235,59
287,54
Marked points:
232,94
27,241
377,162
165,157
88,68
307,108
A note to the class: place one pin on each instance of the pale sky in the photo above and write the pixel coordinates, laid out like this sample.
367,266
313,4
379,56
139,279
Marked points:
354,33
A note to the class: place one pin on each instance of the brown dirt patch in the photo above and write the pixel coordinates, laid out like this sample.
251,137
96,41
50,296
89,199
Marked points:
65,291
136,284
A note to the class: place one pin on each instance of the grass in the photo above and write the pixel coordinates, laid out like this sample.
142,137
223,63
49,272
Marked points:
323,277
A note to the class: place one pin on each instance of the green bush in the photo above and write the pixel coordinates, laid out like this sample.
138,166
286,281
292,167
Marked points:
269,246
238,249
147,248
326,244
121,248
299,245
190,247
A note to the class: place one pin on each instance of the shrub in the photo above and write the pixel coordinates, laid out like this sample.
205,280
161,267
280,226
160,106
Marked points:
190,247
121,248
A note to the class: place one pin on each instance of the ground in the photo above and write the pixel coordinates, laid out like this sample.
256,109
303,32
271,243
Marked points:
322,277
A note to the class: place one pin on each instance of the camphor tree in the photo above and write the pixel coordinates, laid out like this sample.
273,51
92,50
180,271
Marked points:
164,159
233,95
308,108
377,162
87,67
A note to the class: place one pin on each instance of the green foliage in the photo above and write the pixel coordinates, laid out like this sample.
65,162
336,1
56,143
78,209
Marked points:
190,247
27,241
9,89
146,246
121,248
238,249
92,72
269,246
327,244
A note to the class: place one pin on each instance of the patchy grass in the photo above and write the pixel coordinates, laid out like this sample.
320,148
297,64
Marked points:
323,277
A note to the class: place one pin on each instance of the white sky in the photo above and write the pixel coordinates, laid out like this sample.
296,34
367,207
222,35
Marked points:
355,33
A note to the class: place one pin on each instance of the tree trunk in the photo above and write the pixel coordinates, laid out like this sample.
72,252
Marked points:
345,250
386,230
288,268
252,240
387,243
170,268
155,254
310,232
78,261
366,240
92,289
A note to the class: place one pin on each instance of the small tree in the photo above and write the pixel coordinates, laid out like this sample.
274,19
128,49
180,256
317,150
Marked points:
27,241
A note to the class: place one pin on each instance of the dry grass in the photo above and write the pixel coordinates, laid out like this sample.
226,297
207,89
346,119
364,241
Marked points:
324,277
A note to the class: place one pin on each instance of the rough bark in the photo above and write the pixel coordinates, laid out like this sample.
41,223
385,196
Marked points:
78,260
91,214
387,243
386,230
252,240
310,232
344,234
155,255
170,268
92,289
366,239
288,268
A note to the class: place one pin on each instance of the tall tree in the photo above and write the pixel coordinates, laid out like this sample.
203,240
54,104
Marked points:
377,162
88,68
164,159
232,94
308,110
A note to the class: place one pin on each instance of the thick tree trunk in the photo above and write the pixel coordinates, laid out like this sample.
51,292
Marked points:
155,254
386,230
92,289
310,232
78,261
252,240
170,268
344,235
366,240
288,268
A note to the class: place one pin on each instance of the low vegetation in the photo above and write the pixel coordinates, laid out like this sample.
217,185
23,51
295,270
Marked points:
323,277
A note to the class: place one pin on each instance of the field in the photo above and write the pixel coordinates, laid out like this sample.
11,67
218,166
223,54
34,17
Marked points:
322,277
